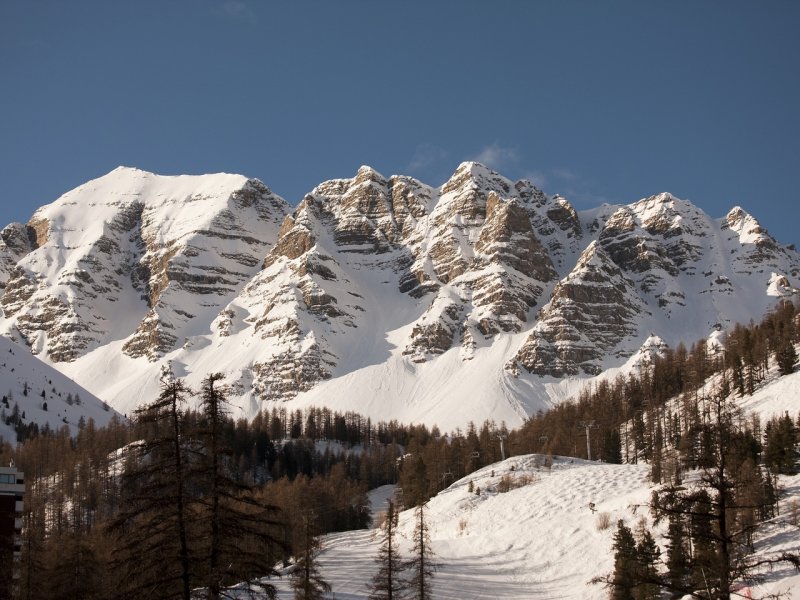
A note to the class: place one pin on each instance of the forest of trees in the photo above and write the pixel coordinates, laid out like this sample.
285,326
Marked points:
97,494
661,414
711,524
195,480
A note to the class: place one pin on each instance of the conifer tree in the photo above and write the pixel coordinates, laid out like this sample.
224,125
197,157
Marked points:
388,583
647,554
612,447
779,450
239,541
721,509
421,564
73,570
678,568
33,543
786,356
623,580
307,582
151,530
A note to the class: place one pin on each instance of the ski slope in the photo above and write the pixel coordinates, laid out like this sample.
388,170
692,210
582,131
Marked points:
540,540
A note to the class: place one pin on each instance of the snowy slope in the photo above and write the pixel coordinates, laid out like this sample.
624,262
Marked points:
540,540
19,371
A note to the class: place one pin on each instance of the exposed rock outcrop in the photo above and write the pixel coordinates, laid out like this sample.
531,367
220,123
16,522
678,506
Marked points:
591,311
370,278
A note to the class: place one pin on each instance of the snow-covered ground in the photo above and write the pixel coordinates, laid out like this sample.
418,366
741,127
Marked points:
540,540
31,385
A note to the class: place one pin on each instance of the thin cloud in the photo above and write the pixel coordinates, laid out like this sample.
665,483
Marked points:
426,156
238,9
537,178
584,198
565,174
497,157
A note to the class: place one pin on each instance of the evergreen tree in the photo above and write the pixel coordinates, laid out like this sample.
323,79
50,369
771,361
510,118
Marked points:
307,582
721,509
151,530
388,583
623,580
421,564
779,450
414,475
239,541
678,568
704,559
612,447
647,554
786,356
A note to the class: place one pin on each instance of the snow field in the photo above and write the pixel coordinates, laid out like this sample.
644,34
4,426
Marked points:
539,540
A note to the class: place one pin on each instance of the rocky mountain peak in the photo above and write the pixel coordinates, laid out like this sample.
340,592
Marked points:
474,175
381,293
746,226
366,173
168,248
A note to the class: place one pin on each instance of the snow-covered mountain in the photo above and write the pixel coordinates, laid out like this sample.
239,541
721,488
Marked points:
35,393
483,298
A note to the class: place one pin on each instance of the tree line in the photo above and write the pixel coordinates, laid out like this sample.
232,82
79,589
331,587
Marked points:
661,413
711,522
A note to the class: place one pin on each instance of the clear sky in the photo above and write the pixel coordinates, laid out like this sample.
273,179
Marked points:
598,101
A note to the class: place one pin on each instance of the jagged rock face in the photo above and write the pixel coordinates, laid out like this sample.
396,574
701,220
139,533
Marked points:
479,252
507,241
555,222
656,241
592,310
752,247
162,248
436,331
466,253
203,267
370,214
370,279
16,240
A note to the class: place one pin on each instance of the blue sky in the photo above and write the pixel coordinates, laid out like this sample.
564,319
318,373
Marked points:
599,101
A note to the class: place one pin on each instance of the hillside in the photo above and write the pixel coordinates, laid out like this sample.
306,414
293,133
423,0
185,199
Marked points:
538,541
31,385
480,299
542,540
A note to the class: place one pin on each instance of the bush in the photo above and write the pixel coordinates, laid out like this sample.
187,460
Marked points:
603,521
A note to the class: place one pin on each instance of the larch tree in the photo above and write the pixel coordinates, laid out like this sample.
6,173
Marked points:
240,542
307,582
151,529
388,582
421,564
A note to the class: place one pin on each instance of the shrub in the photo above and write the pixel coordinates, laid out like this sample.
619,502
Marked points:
603,521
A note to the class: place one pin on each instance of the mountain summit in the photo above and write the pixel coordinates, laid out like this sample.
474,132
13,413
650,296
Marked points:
387,296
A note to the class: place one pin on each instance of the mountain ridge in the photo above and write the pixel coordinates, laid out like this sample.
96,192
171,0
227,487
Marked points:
387,296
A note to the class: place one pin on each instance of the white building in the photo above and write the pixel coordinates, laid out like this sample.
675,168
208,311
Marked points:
12,490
